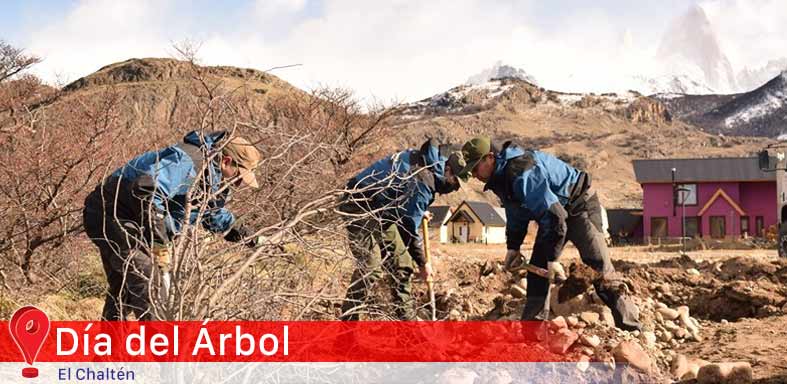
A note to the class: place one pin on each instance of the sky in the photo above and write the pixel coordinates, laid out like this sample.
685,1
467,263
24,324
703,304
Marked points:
395,50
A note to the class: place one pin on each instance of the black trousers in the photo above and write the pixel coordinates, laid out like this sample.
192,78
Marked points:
127,266
585,231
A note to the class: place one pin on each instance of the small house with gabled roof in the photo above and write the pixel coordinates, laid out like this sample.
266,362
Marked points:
477,222
439,222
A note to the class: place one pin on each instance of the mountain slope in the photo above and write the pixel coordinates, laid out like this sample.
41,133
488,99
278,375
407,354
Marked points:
599,133
156,93
761,112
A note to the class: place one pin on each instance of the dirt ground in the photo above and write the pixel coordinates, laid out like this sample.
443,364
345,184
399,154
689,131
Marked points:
738,297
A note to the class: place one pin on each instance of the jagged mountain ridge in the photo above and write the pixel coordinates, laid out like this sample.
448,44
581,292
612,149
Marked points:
761,112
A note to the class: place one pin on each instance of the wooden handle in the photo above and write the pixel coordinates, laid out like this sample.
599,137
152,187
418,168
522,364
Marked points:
425,234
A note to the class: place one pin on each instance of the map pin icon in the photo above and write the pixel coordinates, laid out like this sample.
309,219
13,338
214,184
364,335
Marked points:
29,327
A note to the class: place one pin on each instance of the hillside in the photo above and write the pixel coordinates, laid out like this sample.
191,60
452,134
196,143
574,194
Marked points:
600,133
157,92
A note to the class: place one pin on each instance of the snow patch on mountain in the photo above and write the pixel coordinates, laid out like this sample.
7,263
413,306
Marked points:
773,99
456,99
500,71
671,84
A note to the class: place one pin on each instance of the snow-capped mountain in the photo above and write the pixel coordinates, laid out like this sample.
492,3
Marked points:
499,71
690,47
761,112
753,78
671,84
689,60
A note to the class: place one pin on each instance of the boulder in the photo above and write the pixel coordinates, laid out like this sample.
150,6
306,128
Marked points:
592,341
583,364
499,377
648,338
725,373
558,323
517,291
668,313
631,353
684,368
589,317
607,318
457,376
562,340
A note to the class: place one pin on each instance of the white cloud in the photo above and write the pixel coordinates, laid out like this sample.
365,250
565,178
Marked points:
399,49
751,32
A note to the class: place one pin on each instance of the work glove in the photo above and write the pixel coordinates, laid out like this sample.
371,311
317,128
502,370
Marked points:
425,272
513,259
257,241
556,272
162,255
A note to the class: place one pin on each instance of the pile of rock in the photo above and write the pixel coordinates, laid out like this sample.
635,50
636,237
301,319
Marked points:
583,329
684,368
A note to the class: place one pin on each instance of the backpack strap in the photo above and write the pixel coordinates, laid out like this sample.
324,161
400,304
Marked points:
515,167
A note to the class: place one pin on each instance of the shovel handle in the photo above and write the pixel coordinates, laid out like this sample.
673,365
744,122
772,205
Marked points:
530,268
428,257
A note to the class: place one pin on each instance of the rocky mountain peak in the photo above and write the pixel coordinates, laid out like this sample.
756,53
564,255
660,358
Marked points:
690,47
500,71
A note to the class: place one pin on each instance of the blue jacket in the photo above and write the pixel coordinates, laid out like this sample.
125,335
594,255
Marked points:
173,172
401,189
533,185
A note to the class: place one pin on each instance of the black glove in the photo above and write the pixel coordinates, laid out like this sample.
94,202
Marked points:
240,232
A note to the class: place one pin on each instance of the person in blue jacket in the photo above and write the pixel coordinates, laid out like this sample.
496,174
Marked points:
536,186
385,205
133,214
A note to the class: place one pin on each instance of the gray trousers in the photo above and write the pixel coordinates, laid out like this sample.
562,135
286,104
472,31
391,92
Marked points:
378,246
127,267
586,233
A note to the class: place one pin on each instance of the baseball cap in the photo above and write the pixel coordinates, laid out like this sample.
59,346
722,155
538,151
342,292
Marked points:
472,152
246,156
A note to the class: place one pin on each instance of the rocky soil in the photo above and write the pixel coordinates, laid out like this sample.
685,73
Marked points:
705,319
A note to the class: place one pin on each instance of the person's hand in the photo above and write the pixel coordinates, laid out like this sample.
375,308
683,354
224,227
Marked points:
428,216
161,254
556,272
257,241
513,259
425,272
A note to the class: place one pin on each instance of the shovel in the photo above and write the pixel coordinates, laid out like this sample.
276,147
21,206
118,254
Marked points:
427,254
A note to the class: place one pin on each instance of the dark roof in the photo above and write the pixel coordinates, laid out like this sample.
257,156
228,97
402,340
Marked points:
462,216
439,212
486,213
698,170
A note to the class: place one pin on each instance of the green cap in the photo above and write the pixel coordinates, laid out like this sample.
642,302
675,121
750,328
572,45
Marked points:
473,151
456,163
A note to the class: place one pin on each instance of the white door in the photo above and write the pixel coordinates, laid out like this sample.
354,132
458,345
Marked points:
463,232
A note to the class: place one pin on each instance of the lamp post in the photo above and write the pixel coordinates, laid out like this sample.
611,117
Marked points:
679,195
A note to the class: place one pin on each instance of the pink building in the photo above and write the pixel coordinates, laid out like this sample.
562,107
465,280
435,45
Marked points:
717,197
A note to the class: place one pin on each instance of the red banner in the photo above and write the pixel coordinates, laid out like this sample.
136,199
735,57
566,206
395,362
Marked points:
318,341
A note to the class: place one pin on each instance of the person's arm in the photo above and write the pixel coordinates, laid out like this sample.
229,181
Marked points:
533,190
516,226
415,206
